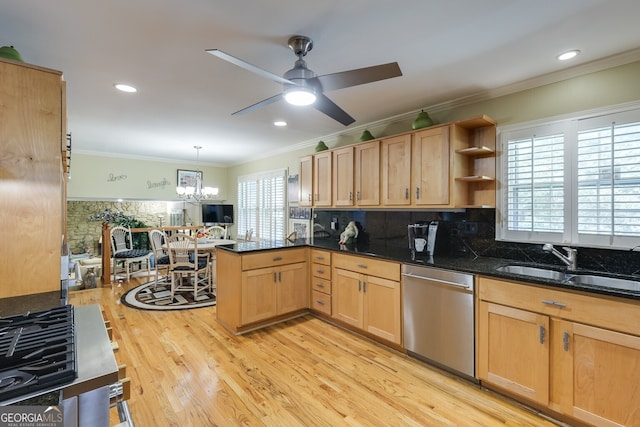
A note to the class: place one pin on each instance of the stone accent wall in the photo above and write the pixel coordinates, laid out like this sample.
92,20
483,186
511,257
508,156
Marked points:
83,235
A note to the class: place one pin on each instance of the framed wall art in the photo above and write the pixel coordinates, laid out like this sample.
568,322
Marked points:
187,178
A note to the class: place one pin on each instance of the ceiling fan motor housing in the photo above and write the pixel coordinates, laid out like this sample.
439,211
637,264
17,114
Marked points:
300,45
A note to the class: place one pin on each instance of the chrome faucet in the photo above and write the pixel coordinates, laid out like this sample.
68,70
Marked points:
571,258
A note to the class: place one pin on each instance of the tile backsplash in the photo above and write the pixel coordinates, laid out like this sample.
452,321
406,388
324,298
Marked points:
471,232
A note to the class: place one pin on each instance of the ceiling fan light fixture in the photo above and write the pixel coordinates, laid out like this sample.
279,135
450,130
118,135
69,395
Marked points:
300,96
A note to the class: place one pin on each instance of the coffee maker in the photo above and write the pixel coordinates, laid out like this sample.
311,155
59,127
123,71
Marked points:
422,238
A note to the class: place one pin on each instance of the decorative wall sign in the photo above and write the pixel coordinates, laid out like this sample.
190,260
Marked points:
187,178
299,213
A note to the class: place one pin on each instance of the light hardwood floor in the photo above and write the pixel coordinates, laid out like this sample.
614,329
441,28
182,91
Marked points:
186,370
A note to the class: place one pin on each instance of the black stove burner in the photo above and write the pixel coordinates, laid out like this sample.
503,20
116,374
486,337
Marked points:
37,352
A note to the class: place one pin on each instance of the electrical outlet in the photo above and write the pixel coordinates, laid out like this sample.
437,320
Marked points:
469,228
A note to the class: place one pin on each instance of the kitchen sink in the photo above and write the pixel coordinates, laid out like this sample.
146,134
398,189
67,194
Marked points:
572,278
608,282
540,272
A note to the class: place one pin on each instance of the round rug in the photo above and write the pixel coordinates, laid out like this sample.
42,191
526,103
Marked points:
147,297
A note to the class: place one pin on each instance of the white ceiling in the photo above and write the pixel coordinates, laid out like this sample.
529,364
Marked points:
445,49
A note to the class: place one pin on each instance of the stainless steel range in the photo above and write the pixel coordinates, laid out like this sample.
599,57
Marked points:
37,352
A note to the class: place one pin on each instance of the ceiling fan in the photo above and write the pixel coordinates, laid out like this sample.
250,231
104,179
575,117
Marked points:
301,86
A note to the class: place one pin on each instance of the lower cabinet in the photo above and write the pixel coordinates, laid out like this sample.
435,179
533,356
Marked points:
255,288
575,354
269,292
366,295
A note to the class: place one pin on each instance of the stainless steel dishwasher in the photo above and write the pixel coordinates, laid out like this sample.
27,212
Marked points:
439,319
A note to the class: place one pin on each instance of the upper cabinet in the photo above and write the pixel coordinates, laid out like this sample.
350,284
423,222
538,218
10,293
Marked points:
32,181
444,166
356,175
322,179
305,181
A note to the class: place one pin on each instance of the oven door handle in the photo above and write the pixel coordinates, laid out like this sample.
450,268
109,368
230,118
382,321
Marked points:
443,282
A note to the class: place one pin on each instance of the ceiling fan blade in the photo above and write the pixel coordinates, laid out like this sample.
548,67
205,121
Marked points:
359,76
249,67
328,107
260,104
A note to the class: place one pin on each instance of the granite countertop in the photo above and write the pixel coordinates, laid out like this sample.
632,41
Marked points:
485,266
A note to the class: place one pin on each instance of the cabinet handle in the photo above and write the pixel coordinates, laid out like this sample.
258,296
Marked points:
417,193
320,271
277,258
319,302
364,287
357,195
319,285
565,341
280,276
319,257
309,196
362,265
350,195
406,193
359,285
275,278
541,334
554,303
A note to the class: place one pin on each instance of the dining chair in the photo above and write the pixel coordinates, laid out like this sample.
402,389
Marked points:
123,252
160,255
217,232
189,270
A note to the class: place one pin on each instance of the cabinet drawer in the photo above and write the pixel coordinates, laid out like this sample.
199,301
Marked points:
321,302
616,314
273,258
373,267
321,270
321,285
321,257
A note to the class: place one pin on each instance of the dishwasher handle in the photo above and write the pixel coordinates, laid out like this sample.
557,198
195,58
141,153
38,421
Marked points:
442,282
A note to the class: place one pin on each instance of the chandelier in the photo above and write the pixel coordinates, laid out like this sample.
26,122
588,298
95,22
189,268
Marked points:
196,191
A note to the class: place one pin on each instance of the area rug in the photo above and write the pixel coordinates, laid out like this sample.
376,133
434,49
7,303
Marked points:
147,297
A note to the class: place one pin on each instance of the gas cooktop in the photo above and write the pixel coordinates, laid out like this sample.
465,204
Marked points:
37,352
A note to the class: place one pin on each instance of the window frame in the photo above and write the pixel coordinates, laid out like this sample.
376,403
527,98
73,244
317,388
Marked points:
569,124
263,231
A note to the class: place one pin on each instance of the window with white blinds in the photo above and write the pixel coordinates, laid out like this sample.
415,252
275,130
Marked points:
574,181
261,204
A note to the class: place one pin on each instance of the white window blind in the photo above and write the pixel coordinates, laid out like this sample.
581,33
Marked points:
573,181
535,187
261,204
609,176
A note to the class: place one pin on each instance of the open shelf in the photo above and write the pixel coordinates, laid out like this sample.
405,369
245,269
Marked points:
476,151
475,178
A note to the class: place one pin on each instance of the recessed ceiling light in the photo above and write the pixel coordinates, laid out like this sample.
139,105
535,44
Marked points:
568,55
279,123
125,88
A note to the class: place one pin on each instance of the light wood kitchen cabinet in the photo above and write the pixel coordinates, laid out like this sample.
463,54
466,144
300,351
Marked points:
396,171
356,175
322,168
321,281
32,202
305,181
431,166
259,287
366,295
343,167
474,146
574,353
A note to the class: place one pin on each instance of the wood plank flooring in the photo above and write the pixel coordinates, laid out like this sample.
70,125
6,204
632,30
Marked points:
186,370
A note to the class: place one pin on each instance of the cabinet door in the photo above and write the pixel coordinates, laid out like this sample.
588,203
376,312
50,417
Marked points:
305,180
605,388
382,308
322,179
431,171
292,292
514,350
367,174
396,171
343,177
258,294
346,298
